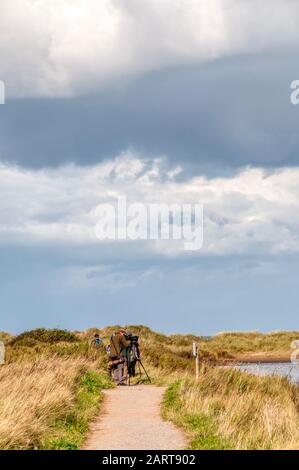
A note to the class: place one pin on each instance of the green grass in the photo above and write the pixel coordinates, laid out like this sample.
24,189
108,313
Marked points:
72,430
205,436
200,428
224,409
229,409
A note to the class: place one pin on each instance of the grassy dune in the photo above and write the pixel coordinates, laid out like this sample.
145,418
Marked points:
255,346
52,381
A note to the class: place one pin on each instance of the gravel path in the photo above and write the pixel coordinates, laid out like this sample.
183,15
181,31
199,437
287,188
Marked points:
131,420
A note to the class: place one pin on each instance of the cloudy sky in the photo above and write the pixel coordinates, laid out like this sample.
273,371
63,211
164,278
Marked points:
173,101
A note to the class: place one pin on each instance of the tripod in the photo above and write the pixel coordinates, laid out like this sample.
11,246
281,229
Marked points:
133,374
140,364
132,357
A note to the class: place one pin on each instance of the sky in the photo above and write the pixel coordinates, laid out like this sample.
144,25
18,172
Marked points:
161,102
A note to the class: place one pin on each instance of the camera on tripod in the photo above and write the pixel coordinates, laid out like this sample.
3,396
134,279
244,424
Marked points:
132,338
133,356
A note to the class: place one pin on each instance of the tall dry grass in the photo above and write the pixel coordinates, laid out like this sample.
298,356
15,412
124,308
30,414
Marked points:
225,408
33,396
239,410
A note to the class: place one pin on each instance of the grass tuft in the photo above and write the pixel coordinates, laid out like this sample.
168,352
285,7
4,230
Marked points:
229,409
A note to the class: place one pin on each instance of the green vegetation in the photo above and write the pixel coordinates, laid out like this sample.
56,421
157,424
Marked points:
52,382
200,427
42,335
71,430
228,409
48,343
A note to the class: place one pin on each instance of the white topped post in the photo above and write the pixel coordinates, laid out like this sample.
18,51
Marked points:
195,350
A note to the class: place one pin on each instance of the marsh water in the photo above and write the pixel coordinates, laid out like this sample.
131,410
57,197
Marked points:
285,369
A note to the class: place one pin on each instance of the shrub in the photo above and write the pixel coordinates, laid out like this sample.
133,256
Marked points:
43,335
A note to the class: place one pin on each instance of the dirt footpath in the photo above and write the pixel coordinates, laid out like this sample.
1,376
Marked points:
130,419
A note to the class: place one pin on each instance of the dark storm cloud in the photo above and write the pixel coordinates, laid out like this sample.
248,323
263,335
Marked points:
211,118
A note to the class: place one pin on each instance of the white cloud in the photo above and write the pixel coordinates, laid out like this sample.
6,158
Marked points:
254,211
65,47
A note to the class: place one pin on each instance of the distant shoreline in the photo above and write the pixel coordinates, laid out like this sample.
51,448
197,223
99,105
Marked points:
258,358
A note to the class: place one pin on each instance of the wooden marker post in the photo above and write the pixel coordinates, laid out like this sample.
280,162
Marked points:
195,351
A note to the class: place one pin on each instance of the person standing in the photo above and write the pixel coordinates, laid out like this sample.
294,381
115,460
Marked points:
118,346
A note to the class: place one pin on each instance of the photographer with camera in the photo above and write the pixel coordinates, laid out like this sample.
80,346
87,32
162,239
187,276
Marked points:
118,348
125,352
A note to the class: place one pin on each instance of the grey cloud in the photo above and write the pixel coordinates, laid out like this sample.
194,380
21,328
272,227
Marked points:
62,48
213,118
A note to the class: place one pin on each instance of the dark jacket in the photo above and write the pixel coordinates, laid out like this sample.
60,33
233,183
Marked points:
118,345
